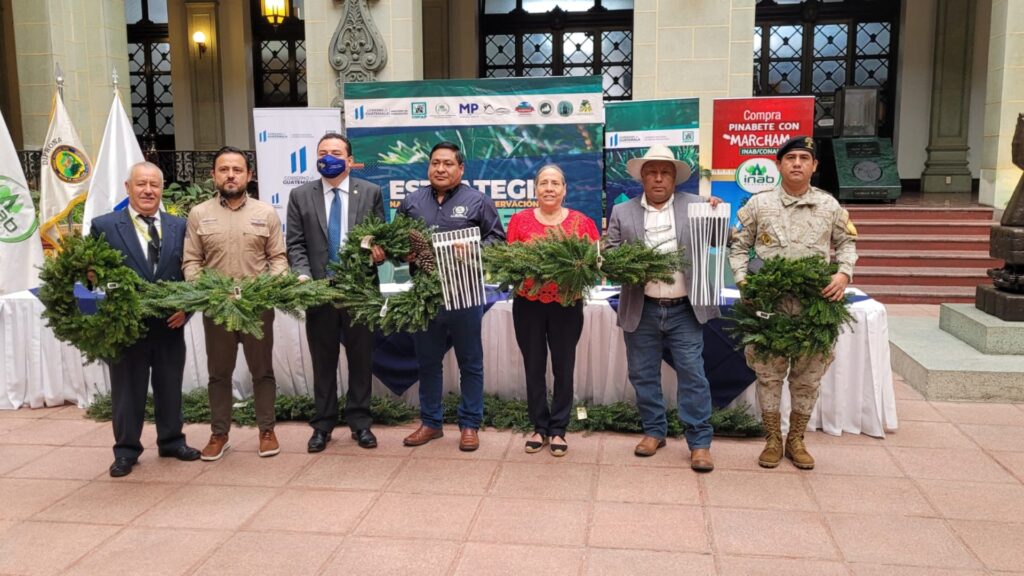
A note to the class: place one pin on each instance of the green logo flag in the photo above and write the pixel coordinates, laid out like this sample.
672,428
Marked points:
21,253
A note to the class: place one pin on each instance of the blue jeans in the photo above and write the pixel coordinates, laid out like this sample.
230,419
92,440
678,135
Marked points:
431,345
677,329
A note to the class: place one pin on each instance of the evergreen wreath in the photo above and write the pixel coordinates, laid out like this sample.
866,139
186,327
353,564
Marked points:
782,312
118,321
237,305
355,277
575,265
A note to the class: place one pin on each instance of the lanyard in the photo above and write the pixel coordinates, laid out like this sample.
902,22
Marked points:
143,231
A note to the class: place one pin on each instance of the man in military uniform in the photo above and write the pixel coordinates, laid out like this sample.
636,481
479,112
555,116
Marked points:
793,220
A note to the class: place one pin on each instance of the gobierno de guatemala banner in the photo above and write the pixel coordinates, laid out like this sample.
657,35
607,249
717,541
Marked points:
507,128
632,127
747,133
286,140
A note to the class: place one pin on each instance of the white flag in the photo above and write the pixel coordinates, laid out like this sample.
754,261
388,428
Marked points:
118,152
64,172
20,249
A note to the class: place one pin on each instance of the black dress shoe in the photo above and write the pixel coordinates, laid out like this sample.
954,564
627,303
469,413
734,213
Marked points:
184,453
365,438
122,467
318,441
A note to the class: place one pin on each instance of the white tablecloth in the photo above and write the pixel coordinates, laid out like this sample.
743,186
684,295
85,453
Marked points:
856,396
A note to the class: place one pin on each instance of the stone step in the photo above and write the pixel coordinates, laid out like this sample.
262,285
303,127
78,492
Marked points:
927,258
922,242
903,276
941,367
926,294
906,213
985,333
925,228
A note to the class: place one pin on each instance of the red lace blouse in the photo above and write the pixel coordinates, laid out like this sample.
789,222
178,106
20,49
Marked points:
524,227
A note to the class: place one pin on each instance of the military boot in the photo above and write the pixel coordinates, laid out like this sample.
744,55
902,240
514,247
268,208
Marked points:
795,449
772,453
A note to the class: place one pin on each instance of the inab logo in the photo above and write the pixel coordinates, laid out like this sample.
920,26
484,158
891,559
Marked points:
263,136
298,159
359,113
757,175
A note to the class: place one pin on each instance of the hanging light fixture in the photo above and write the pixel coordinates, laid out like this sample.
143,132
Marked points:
275,11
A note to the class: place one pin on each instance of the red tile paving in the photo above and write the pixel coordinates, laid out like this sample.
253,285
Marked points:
943,496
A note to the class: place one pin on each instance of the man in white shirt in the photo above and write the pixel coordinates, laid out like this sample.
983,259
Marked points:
320,214
659,315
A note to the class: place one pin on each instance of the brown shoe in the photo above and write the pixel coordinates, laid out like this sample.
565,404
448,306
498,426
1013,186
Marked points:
469,440
268,444
648,446
700,460
216,447
422,435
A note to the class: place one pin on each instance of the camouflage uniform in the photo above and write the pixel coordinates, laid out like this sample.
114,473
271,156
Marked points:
777,224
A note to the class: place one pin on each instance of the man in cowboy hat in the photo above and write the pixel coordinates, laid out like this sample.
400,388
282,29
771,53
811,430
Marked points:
658,314
793,220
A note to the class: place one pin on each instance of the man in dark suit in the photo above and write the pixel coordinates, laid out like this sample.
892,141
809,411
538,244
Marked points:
659,315
152,243
320,214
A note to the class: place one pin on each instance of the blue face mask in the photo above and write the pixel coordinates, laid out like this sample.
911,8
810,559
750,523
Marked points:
331,166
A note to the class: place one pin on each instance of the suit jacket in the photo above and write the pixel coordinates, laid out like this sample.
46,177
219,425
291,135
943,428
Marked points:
306,224
627,225
119,231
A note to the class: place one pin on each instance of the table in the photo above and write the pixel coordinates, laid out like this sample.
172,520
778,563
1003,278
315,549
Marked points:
857,393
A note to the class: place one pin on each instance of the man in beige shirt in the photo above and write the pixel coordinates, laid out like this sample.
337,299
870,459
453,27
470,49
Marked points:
239,237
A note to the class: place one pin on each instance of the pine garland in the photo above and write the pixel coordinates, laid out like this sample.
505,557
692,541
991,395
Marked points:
237,305
498,413
355,279
574,265
783,313
118,321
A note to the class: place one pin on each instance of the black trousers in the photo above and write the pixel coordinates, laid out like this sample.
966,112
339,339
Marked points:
324,327
160,355
541,326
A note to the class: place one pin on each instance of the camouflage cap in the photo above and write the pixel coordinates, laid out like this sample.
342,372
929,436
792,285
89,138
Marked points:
798,143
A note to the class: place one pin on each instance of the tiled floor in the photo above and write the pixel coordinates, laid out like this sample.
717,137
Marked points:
943,496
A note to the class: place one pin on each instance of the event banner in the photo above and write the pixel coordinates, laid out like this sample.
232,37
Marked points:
286,140
748,132
507,129
632,127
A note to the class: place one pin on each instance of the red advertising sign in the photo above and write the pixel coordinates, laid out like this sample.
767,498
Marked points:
747,133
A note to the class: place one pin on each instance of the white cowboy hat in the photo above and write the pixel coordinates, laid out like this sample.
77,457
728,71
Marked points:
658,152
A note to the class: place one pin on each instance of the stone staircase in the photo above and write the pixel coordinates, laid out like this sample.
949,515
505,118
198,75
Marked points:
922,254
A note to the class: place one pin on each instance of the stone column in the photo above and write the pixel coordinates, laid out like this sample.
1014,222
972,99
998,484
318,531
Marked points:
89,40
946,168
363,40
694,48
1004,99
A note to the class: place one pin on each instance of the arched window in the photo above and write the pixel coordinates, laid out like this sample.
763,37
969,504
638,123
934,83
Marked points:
559,38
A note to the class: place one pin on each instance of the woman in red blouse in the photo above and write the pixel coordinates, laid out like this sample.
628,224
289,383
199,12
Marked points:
540,320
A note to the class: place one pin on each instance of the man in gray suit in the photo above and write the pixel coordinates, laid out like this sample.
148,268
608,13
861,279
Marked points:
659,315
320,213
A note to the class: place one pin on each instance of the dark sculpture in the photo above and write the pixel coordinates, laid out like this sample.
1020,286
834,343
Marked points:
1006,299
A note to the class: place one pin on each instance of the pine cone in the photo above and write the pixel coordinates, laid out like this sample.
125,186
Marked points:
422,249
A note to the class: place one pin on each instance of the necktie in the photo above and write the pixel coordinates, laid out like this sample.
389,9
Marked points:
153,248
334,227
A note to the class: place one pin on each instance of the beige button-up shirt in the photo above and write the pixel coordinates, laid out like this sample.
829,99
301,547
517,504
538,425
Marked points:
242,242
